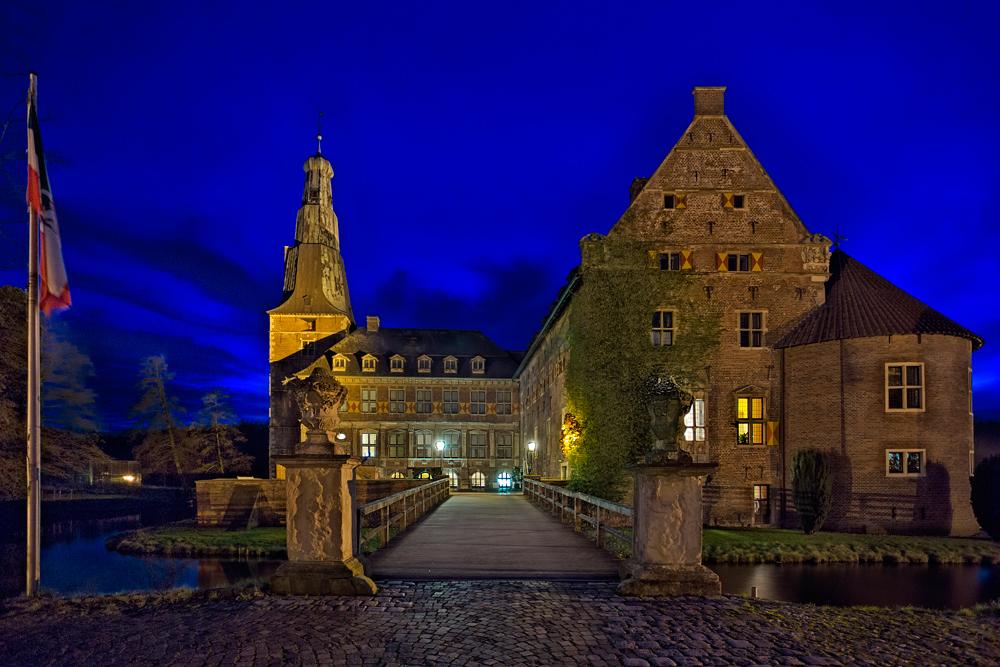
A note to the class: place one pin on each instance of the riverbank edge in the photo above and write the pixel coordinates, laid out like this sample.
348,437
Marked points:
144,542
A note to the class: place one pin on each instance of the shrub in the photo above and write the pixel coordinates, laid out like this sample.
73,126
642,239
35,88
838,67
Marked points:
812,488
986,496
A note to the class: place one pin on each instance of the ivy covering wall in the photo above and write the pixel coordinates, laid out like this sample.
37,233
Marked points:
613,362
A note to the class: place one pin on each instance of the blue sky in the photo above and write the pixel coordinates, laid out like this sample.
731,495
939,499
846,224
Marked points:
474,144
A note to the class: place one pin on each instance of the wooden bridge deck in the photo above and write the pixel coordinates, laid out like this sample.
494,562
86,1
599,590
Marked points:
492,536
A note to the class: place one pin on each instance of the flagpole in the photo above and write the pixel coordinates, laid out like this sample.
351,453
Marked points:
34,375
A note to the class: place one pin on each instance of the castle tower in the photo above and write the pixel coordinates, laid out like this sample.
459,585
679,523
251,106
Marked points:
315,310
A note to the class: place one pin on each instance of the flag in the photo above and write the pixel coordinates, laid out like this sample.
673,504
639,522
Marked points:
53,292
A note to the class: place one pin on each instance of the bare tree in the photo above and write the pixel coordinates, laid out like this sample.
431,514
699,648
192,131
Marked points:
165,444
219,435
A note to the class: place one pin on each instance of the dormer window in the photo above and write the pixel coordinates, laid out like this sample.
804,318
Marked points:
424,364
340,363
450,365
309,348
309,325
368,363
396,364
478,365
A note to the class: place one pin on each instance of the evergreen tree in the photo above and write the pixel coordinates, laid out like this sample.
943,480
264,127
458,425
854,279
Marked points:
217,435
165,446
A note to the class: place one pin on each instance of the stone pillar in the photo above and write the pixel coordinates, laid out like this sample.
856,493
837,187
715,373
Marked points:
666,532
320,528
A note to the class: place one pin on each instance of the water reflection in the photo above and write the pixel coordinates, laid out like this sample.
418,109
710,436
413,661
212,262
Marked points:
937,586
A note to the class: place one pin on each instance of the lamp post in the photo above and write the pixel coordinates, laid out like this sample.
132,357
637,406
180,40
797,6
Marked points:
531,457
440,447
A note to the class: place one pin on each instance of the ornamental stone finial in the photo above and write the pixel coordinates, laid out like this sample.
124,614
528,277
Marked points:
667,404
319,398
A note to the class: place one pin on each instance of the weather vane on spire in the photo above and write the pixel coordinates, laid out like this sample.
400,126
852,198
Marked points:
319,132
837,238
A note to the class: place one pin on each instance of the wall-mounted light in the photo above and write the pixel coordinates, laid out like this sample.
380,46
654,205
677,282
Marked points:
531,446
341,436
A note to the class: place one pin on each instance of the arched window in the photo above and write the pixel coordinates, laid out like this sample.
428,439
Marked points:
424,475
478,480
453,478
396,475
504,480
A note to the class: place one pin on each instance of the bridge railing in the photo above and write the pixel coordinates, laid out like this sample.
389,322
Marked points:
602,517
378,518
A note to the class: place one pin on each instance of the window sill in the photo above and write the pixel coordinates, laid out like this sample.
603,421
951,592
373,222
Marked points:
892,411
904,475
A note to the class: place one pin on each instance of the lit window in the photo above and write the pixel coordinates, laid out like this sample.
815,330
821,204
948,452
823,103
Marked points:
422,444
368,400
478,365
751,329
424,401
396,364
368,364
505,445
477,406
452,448
904,387
369,447
396,475
397,445
397,398
477,445
505,480
450,402
424,475
762,503
309,348
452,478
450,365
904,462
503,402
694,422
424,364
478,480
750,420
663,327
339,363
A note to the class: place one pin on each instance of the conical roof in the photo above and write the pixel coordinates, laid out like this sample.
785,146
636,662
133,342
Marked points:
860,304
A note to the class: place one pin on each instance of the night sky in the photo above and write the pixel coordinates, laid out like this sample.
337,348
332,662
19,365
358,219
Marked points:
473,145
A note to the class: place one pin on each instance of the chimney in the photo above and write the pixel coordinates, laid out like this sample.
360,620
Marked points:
708,101
372,324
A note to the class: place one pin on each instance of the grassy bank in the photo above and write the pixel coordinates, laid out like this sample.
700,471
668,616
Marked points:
789,546
186,539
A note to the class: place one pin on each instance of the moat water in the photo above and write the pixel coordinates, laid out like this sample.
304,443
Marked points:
74,561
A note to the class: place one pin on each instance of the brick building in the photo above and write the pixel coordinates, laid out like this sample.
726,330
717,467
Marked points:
711,213
408,389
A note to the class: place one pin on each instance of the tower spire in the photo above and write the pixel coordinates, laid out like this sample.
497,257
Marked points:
319,133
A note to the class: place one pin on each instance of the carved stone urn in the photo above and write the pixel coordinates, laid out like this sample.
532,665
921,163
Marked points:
319,398
667,404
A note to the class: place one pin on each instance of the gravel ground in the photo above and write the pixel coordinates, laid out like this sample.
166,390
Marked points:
481,623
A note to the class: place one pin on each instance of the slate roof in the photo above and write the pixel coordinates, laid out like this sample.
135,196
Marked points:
463,344
860,303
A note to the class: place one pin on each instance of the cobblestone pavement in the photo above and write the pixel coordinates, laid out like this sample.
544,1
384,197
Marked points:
482,623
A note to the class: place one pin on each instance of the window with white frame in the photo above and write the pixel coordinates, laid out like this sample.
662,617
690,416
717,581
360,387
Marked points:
424,401
751,329
369,445
309,348
396,364
452,445
424,364
503,402
478,480
450,402
368,364
694,422
663,327
478,365
340,363
397,400
450,365
477,405
368,400
505,445
505,480
904,462
904,387
750,420
423,444
397,445
477,445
